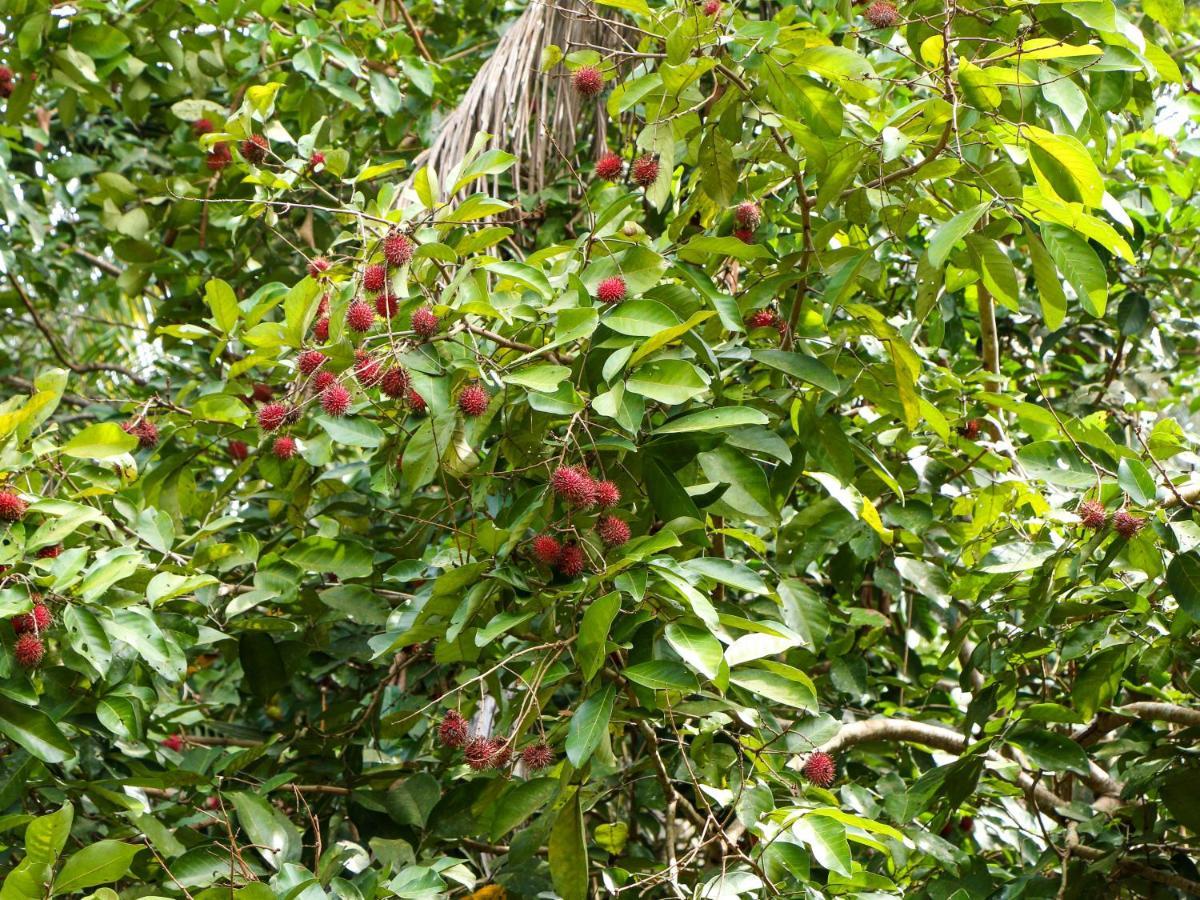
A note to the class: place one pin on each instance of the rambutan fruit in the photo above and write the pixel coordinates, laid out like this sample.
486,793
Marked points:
335,400
820,769
323,380
611,290
395,381
572,561
644,170
202,127
387,305
218,157
321,329
747,215
284,447
762,318
367,370
38,619
316,160
546,549
51,552
612,531
29,651
478,753
318,266
416,402
254,148
144,430
374,277
574,485
537,756
360,316
745,235
609,167
969,429
452,732
712,7
588,81
272,416
424,322
882,14
501,753
238,451
311,360
174,742
262,393
473,400
607,494
1127,525
398,249
12,507
1092,514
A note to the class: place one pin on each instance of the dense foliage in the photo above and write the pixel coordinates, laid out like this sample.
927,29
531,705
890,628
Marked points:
791,497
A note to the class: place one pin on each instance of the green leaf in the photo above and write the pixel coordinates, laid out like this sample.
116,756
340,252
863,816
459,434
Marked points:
277,840
520,802
567,849
1063,167
223,302
1050,292
698,648
100,441
713,419
593,633
668,381
775,687
826,838
1050,751
661,675
800,365
543,377
1136,481
588,725
35,731
345,559
1080,266
100,863
1183,578
953,231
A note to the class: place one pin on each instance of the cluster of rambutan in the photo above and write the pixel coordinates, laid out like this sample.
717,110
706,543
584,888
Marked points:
481,752
767,318
643,171
144,430
29,627
577,489
1093,515
6,81
746,218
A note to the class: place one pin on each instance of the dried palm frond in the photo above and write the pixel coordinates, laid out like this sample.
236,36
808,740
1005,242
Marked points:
533,115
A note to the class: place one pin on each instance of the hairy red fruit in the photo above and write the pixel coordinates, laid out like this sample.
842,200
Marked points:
1093,514
613,531
537,756
262,393
174,742
202,127
609,167
745,235
317,159
747,215
360,316
501,753
12,507
218,157
335,400
310,361
271,416
254,148
284,447
1127,524
607,494
387,305
546,549
572,561
423,321
146,432
644,171
969,429
395,382
574,485
375,277
452,732
51,552
478,753
29,651
321,329
712,7
368,371
588,81
6,81
238,451
762,318
416,402
819,769
318,266
473,400
39,619
611,290
882,14
397,249
323,307
323,380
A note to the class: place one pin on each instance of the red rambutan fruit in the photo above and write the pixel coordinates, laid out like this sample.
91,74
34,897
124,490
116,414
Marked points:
254,148
323,306
323,380
145,431
271,416
367,370
317,266
611,290
218,157
820,769
537,756
262,393
310,361
397,249
38,619
546,549
395,382
572,561
29,651
609,167
424,321
416,402
452,732
473,400
238,451
607,494
375,277
12,507
712,7
969,429
174,742
51,552
1092,514
762,318
747,215
1127,524
478,753
882,14
588,81
644,170
574,485
387,305
335,400
501,754
745,235
613,531
360,316
202,127
284,447
321,329
316,160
